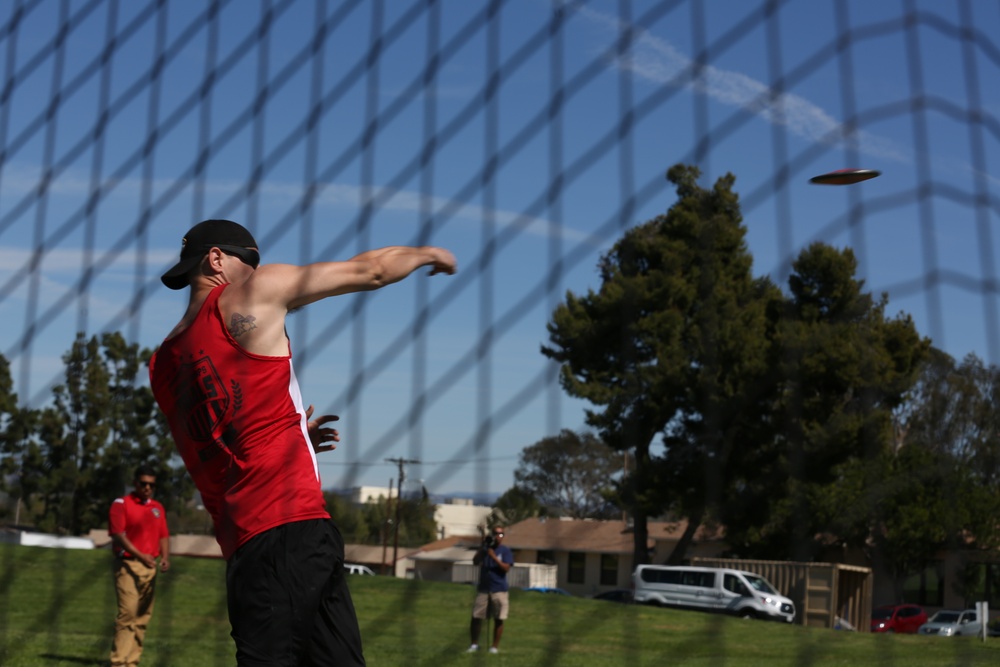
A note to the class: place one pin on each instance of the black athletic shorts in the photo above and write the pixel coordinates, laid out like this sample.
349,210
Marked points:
288,600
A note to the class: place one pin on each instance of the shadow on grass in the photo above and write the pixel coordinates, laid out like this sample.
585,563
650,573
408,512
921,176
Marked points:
72,659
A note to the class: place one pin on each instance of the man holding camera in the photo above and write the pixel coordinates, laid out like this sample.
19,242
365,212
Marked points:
495,560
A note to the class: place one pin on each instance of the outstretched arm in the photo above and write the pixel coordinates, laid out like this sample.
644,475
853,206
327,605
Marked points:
368,271
254,310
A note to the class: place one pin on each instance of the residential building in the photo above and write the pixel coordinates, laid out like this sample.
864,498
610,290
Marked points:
450,560
594,556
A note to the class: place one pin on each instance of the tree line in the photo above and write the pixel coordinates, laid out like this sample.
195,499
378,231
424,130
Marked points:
61,465
799,420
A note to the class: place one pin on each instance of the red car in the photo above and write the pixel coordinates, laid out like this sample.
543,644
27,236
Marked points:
903,618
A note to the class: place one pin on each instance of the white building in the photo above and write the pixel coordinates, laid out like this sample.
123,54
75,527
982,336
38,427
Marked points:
458,516
362,495
454,516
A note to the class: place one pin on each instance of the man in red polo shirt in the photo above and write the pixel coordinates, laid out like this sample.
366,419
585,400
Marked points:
138,528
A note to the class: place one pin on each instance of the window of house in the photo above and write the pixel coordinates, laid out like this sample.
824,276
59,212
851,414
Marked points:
546,558
609,570
576,569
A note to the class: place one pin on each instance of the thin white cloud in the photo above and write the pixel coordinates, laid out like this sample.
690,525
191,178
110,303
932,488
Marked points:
20,180
656,60
408,201
70,261
51,288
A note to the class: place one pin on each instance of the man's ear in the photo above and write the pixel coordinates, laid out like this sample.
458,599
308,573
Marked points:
214,258
211,263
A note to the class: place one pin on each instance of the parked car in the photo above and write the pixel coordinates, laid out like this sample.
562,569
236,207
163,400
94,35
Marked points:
354,568
904,618
952,624
623,595
714,589
547,589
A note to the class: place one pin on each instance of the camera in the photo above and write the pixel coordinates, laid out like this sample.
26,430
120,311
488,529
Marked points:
489,541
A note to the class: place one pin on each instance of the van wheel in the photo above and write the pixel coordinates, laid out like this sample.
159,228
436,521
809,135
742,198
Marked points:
747,614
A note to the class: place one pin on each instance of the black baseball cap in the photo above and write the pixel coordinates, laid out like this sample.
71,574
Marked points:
199,240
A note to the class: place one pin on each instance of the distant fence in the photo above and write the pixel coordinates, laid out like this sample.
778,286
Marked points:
822,592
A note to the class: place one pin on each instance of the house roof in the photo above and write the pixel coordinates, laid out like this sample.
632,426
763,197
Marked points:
568,535
367,554
542,534
456,554
450,541
361,553
672,531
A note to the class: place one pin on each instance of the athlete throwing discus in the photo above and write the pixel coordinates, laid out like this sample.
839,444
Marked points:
225,381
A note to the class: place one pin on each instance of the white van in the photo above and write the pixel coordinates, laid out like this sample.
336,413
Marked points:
716,589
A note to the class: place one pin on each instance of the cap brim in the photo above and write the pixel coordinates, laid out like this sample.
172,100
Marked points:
176,278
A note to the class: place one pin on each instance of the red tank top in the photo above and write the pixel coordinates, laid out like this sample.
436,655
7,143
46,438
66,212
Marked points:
239,424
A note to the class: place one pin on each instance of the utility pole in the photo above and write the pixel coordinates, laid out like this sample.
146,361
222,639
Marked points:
399,499
385,526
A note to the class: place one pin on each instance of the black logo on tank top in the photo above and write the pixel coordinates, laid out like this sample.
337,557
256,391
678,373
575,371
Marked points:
202,396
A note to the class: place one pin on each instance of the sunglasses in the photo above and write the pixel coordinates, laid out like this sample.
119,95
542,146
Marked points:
151,485
498,533
248,256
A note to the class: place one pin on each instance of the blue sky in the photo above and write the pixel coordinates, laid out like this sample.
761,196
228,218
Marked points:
580,125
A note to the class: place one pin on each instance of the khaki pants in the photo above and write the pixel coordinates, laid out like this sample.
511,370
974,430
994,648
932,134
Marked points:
134,585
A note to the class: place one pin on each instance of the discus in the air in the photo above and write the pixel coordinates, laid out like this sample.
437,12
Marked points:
845,176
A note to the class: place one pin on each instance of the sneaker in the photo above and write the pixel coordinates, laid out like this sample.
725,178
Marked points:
473,648
494,649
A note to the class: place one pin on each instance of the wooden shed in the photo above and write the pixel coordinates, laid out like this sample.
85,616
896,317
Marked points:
825,594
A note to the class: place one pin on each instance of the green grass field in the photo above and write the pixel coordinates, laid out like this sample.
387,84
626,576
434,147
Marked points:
57,608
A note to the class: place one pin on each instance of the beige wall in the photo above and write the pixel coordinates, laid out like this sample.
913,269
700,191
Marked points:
592,571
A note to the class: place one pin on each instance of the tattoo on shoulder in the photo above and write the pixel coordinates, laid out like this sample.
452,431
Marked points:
241,324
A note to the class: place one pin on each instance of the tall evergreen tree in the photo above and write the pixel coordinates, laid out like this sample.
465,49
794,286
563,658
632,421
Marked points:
674,342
